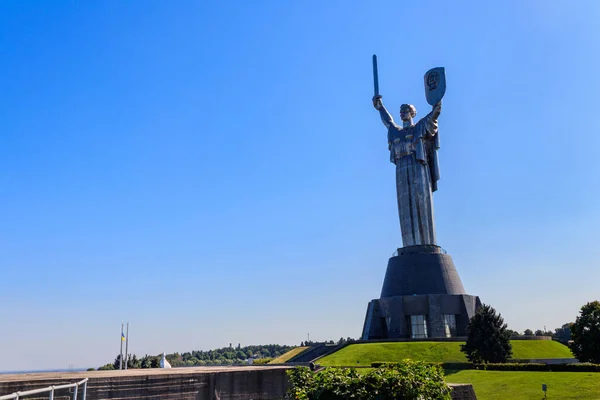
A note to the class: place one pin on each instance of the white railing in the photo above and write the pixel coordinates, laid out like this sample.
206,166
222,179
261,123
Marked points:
50,389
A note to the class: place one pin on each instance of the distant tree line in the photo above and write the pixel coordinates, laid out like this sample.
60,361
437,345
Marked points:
562,334
309,343
223,356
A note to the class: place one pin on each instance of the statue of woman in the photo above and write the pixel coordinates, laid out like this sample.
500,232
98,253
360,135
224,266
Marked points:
413,148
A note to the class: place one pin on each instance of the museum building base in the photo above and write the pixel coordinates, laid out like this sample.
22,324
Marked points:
422,297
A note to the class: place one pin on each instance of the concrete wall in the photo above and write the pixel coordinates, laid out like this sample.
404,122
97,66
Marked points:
262,383
201,383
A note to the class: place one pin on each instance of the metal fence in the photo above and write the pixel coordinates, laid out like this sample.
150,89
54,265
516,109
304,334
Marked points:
50,390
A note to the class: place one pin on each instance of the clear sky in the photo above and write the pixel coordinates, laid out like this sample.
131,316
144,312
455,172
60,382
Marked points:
215,173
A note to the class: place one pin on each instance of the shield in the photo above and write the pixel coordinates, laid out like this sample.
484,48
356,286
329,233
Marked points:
435,85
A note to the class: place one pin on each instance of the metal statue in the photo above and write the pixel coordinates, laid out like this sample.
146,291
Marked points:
413,149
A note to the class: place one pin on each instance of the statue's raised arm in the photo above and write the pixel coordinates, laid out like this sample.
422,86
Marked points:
428,125
386,117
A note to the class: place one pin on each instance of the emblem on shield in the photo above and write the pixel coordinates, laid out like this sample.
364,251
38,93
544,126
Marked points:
435,85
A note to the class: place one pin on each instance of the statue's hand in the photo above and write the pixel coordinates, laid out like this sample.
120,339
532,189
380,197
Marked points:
438,107
377,102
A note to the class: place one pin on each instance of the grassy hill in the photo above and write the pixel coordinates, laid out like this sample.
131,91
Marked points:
288,356
367,353
502,385
527,349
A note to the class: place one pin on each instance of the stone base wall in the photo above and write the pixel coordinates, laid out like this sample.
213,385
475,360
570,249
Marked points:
178,383
389,317
265,383
420,281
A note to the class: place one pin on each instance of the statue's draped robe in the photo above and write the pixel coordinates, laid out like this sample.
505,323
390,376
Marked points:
414,151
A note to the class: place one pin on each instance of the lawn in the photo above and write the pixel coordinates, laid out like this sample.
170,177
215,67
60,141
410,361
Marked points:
513,385
288,355
527,349
367,353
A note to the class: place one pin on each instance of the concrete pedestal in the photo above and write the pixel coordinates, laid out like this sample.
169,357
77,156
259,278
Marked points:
420,281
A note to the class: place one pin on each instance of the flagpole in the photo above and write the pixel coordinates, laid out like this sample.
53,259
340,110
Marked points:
121,353
126,344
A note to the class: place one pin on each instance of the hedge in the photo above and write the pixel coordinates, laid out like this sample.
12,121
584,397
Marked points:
444,365
583,367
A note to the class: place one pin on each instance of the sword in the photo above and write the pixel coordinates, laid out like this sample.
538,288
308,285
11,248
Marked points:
375,75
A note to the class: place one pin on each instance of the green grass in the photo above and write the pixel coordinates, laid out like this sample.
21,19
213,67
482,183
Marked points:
512,385
287,356
367,353
527,349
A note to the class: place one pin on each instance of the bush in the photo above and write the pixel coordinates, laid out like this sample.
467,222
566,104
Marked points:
409,380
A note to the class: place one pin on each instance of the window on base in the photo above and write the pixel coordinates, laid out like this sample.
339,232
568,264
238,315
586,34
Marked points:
450,325
418,326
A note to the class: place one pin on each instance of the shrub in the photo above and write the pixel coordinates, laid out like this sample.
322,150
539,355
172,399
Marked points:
409,380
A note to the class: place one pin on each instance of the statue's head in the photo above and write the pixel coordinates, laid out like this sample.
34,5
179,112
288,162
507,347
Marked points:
407,112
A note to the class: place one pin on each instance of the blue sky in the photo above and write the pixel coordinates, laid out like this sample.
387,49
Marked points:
215,173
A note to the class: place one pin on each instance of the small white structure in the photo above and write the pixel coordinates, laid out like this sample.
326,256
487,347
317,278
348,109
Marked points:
164,363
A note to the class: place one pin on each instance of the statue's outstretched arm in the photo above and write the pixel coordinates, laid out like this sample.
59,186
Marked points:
429,123
386,117
437,109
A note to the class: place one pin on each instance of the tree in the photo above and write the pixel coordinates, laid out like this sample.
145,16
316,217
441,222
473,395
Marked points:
563,334
117,363
487,337
146,361
133,362
513,333
528,332
585,333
